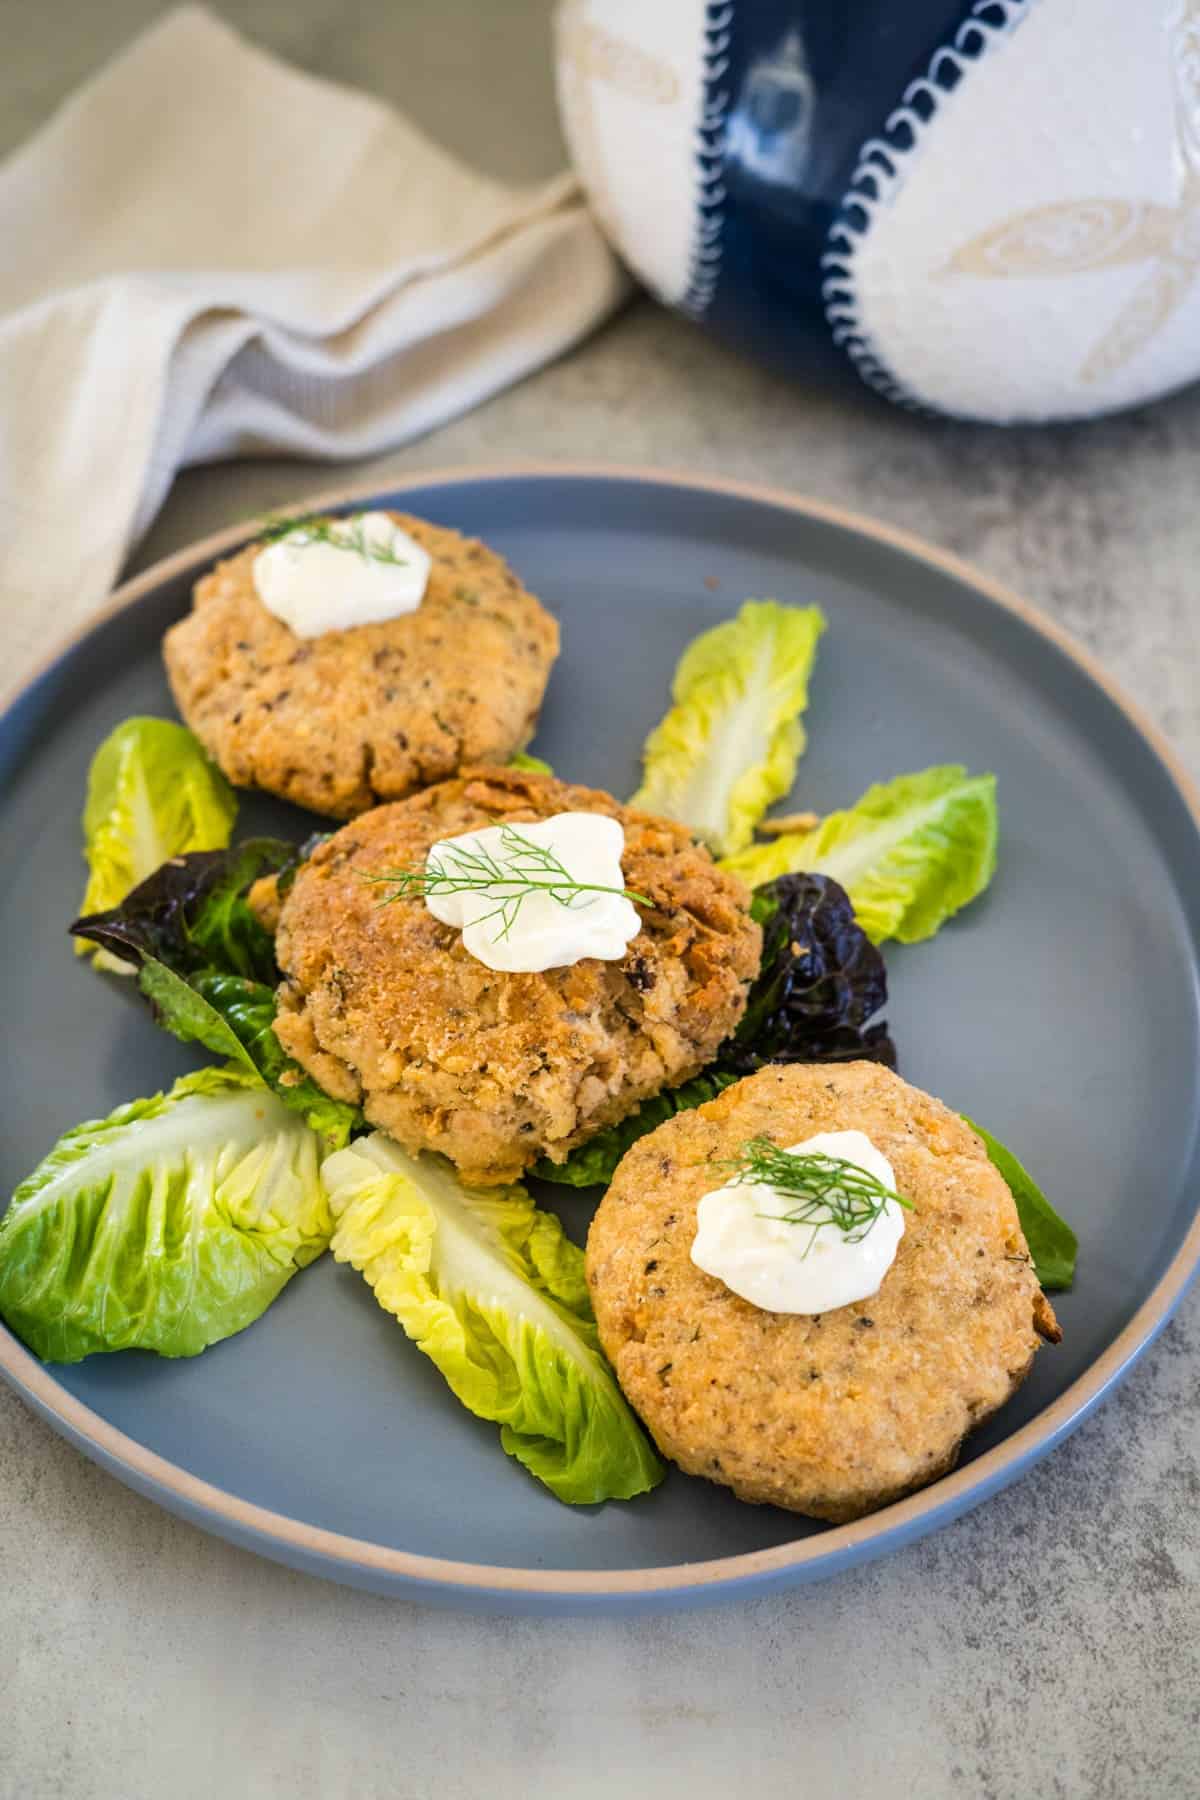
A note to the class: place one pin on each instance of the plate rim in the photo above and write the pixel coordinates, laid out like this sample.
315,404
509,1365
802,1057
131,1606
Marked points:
342,1556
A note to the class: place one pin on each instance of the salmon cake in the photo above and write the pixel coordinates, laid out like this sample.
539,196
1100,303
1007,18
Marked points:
385,1007
837,1413
343,720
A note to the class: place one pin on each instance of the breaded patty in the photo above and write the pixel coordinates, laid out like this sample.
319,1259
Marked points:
341,721
385,1007
834,1414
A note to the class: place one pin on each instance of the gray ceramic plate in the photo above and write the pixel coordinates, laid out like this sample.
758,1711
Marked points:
1061,1010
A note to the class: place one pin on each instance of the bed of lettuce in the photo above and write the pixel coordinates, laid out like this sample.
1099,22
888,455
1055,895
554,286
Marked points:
176,1221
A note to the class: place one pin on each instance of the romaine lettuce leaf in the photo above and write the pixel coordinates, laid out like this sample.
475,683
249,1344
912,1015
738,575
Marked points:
534,765
494,1294
152,793
167,1226
910,853
1052,1243
728,748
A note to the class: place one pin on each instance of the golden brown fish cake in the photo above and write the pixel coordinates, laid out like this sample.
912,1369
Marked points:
385,1007
343,720
835,1414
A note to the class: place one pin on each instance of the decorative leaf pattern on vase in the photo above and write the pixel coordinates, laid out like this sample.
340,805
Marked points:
1071,237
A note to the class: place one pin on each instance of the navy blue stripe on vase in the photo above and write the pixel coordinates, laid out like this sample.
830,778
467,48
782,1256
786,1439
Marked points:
795,91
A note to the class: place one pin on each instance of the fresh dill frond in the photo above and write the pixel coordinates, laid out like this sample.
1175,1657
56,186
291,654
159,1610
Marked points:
521,868
340,534
816,1189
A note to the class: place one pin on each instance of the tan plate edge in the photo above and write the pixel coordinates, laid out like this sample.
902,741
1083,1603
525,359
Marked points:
293,1534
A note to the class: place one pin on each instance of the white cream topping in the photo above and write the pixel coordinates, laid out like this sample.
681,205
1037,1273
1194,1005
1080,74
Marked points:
797,1268
524,923
372,571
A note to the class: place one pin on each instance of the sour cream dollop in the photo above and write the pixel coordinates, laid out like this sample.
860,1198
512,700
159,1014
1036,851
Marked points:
797,1268
543,932
373,572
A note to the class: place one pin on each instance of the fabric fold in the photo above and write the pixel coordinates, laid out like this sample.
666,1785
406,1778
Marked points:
212,254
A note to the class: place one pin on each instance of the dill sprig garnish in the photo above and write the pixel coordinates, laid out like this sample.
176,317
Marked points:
821,1189
520,869
340,534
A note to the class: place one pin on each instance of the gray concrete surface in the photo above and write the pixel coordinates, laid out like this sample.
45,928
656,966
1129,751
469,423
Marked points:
1048,1643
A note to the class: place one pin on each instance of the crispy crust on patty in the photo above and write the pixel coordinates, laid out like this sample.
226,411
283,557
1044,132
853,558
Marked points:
341,721
385,1007
830,1415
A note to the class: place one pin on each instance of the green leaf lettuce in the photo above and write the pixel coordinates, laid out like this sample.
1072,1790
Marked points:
169,1225
246,1010
911,853
728,748
1052,1243
595,1163
490,1289
207,965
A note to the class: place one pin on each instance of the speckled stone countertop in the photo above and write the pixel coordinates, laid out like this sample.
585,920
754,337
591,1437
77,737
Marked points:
1048,1643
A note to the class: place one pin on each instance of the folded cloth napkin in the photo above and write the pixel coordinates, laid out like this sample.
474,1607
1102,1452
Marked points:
208,254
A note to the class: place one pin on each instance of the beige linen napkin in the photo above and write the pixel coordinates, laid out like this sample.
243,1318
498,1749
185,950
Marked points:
208,254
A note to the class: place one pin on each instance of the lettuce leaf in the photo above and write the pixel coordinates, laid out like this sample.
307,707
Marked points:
1052,1243
729,746
490,1289
192,912
152,793
169,1225
911,853
820,986
534,765
595,1163
207,966
246,1010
